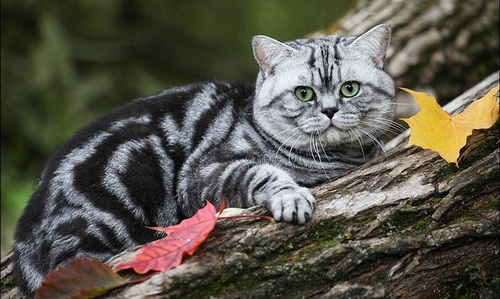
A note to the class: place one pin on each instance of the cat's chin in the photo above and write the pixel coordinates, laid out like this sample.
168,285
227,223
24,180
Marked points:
330,134
334,137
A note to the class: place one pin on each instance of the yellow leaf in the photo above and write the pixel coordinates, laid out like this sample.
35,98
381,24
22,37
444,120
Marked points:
433,128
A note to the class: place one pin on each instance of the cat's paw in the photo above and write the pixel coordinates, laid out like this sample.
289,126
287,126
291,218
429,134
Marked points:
295,206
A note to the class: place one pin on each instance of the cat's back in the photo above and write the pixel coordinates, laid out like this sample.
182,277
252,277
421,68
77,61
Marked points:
95,186
161,130
174,119
174,111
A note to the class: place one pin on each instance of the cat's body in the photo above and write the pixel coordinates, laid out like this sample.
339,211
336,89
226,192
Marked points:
154,161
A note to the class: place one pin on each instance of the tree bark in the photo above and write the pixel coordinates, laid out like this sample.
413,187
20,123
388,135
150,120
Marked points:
406,225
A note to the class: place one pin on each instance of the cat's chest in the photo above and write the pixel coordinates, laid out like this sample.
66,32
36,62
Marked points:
307,168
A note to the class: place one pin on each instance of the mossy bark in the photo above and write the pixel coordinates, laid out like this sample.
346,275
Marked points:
406,225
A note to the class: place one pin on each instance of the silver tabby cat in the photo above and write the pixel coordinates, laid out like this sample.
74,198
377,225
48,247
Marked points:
314,114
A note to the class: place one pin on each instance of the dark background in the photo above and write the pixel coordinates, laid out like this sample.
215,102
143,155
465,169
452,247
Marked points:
63,63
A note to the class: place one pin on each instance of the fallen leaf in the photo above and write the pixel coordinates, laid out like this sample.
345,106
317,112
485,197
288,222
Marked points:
433,128
83,278
183,238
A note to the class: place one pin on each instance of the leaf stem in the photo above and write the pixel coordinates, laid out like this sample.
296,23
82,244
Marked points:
270,219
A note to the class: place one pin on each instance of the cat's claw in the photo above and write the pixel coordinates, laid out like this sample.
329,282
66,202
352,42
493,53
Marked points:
295,206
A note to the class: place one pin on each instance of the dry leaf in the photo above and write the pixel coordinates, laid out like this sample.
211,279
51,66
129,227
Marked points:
82,278
433,128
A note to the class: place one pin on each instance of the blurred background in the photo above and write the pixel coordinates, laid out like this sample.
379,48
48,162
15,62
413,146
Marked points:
63,63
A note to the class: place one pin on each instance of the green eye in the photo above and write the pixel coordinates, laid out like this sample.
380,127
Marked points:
349,89
304,93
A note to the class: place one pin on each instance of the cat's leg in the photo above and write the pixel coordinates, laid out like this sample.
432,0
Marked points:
276,190
245,183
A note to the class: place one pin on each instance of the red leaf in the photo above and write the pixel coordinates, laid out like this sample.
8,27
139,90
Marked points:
83,278
185,237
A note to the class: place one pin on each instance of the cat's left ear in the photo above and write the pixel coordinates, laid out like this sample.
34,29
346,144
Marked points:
269,52
374,43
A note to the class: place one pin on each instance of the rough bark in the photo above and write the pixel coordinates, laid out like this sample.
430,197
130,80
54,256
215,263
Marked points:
406,225
443,47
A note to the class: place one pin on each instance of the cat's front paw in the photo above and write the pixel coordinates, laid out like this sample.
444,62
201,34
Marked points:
295,205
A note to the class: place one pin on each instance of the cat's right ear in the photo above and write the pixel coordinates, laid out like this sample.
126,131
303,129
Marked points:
269,52
374,43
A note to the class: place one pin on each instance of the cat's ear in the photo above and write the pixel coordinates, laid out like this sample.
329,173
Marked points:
374,43
269,52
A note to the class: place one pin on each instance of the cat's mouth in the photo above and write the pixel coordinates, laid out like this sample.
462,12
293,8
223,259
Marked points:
339,122
344,125
314,125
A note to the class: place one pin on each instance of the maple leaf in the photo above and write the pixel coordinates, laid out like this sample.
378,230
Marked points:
183,238
83,278
433,128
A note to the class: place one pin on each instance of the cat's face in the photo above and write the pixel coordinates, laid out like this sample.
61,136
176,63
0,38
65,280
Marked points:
314,93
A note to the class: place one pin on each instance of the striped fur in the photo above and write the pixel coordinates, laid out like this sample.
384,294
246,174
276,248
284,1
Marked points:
154,161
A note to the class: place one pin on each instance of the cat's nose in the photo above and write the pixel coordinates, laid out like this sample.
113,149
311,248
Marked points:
330,112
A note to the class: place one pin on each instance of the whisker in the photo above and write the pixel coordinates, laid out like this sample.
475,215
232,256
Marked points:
323,149
384,125
359,138
282,144
291,148
350,138
398,126
391,123
316,148
384,130
319,155
403,104
375,141
311,148
281,132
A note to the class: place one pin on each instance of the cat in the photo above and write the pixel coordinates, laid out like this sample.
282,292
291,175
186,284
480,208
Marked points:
314,114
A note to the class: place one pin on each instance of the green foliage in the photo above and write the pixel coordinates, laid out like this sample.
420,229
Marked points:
65,62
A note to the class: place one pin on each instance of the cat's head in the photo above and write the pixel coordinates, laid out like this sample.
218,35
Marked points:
331,90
